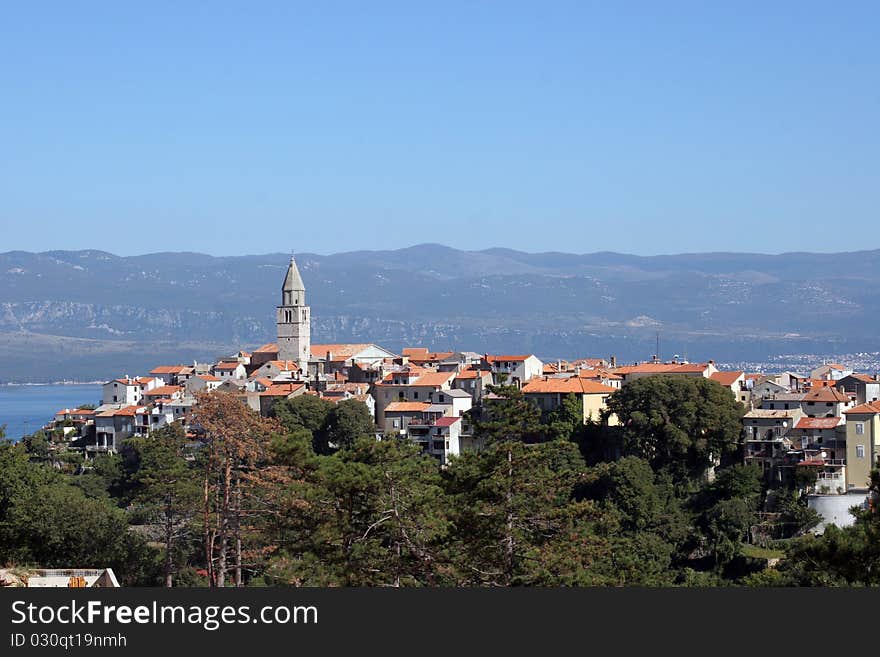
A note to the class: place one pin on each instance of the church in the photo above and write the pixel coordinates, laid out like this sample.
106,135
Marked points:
293,320
294,324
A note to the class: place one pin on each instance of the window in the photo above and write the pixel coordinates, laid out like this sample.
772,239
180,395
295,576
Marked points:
396,424
860,427
860,451
416,394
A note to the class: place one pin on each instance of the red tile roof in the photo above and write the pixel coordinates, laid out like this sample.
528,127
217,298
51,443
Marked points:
446,421
406,407
726,379
339,352
826,395
207,377
818,422
227,365
162,391
871,408
662,368
572,385
281,389
168,369
269,348
472,374
495,359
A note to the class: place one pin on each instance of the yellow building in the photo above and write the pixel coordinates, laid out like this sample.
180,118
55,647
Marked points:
548,393
862,444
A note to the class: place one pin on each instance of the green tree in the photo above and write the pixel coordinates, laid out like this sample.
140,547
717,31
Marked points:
168,487
46,521
306,413
567,421
687,425
516,520
347,422
506,415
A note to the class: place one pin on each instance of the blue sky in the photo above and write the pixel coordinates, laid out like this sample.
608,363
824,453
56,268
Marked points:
250,127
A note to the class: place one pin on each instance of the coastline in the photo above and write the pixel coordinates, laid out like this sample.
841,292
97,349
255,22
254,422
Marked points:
13,384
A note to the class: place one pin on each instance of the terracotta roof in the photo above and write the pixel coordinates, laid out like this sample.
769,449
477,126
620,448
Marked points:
818,422
227,365
338,352
284,365
472,374
406,407
826,395
207,377
495,359
414,351
864,378
661,368
599,374
726,379
437,355
434,378
281,389
871,408
446,421
162,391
167,369
574,385
75,411
269,348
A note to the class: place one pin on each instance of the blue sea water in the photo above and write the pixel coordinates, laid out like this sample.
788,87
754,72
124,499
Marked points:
24,409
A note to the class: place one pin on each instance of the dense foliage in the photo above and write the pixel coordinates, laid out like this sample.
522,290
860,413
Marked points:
310,497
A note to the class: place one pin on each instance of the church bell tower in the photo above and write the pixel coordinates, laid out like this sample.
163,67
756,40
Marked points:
294,323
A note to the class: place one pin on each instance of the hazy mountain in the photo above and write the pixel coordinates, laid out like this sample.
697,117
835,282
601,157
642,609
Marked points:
91,314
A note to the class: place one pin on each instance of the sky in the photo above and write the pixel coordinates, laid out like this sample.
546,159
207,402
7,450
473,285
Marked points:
255,127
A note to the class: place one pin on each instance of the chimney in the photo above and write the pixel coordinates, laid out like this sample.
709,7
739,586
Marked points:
613,360
329,356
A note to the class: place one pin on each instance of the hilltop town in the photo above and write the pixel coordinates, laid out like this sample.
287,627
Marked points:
824,422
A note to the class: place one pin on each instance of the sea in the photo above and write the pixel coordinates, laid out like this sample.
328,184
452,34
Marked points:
26,408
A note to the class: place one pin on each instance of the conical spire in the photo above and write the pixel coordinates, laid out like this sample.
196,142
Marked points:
293,292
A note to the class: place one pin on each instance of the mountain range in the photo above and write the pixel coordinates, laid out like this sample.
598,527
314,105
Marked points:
89,315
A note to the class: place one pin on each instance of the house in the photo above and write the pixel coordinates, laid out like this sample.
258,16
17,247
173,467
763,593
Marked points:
825,402
822,442
512,370
229,369
163,392
439,437
262,355
603,376
473,381
398,415
632,372
74,414
277,370
112,426
201,383
410,384
782,401
168,373
276,393
548,394
765,386
862,387
459,401
102,578
735,382
124,391
767,443
330,358
862,444
830,372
